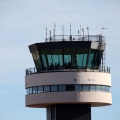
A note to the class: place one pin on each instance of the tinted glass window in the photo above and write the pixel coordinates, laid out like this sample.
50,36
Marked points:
85,87
79,60
44,60
54,88
92,87
103,88
30,90
78,87
62,88
107,89
46,88
84,59
34,89
27,90
98,88
90,60
40,89
49,59
70,87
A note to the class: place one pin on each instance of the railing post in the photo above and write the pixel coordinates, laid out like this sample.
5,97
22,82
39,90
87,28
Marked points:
34,69
104,68
107,69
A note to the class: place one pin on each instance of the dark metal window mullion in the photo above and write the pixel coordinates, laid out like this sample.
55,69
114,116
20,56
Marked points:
88,59
82,59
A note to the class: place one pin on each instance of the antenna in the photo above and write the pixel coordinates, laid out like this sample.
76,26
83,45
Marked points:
63,31
80,32
46,35
54,31
83,34
88,33
70,29
50,36
102,30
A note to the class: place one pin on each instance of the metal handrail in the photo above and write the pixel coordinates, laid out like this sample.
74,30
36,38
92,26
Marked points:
74,38
54,69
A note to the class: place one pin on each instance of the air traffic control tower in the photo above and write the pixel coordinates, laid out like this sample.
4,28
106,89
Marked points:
69,77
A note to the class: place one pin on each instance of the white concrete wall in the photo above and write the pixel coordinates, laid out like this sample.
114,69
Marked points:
55,78
45,99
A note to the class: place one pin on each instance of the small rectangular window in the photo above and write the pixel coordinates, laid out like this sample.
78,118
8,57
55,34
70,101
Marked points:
27,91
92,87
103,88
34,89
61,88
40,89
70,87
46,88
30,90
98,88
54,88
107,89
86,88
78,87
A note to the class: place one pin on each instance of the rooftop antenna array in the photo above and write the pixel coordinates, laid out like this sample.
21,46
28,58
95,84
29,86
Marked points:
83,34
63,31
50,36
88,33
70,33
80,32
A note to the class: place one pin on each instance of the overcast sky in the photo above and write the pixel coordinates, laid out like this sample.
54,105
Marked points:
23,22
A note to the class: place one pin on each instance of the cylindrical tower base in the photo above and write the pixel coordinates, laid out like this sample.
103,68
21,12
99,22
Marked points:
69,112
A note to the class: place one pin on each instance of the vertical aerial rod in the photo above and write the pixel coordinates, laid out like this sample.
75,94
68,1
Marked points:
54,31
80,32
88,33
63,31
46,35
70,29
83,34
50,36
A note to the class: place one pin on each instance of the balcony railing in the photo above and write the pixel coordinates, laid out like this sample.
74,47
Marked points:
75,38
54,69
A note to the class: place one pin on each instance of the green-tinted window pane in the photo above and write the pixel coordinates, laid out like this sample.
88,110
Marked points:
60,60
67,59
90,60
79,60
84,59
55,59
49,59
44,60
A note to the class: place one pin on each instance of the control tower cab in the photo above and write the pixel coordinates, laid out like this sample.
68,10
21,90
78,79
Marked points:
69,77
